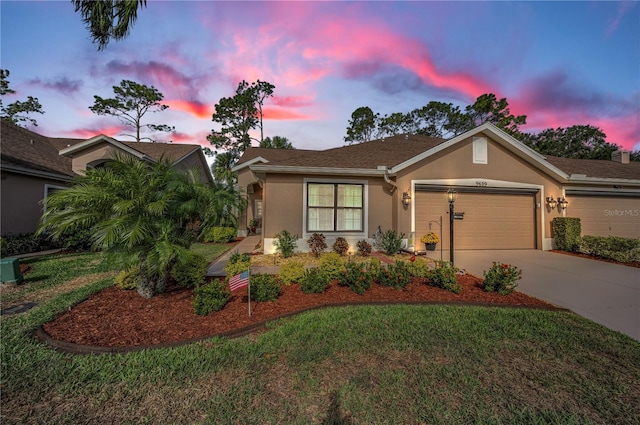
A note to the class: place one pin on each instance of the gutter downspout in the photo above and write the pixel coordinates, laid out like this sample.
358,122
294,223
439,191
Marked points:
391,183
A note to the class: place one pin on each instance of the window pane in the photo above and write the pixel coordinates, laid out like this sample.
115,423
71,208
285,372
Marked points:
320,219
320,195
349,219
349,195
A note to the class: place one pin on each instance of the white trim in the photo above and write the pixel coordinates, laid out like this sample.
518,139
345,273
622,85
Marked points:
365,207
248,163
48,186
287,169
480,150
102,138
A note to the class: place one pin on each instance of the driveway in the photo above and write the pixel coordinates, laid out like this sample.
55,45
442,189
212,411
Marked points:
606,293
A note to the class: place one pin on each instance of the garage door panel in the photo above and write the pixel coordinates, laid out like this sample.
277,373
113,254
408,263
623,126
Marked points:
491,221
606,216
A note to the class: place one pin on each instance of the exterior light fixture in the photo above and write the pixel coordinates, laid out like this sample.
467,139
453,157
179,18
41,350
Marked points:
406,199
563,203
451,196
551,202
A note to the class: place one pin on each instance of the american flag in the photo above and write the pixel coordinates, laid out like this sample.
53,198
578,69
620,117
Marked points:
239,280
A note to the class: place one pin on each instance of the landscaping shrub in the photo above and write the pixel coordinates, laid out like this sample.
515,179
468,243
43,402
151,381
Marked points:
332,265
340,246
317,244
25,243
291,272
77,239
566,233
374,266
611,247
285,243
127,279
395,275
364,248
314,281
220,234
444,276
210,297
264,287
237,264
501,278
418,268
190,272
391,242
356,278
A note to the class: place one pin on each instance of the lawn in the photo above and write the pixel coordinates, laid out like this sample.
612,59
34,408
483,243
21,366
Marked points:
367,364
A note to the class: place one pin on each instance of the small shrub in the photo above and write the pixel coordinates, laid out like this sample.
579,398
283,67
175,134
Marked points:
314,281
127,279
501,278
264,287
317,244
364,248
332,265
210,297
190,272
340,246
25,243
566,232
418,268
611,247
356,278
444,276
77,238
285,243
377,239
395,275
220,235
291,272
374,266
237,264
391,242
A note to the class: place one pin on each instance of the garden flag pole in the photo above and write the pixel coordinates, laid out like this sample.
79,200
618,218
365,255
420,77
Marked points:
240,280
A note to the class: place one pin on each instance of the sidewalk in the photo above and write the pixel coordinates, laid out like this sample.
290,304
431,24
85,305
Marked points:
247,245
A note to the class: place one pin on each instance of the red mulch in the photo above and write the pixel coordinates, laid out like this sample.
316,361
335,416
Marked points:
594,257
117,318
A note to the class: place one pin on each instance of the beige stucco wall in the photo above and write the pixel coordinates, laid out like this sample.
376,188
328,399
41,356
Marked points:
91,155
20,196
195,161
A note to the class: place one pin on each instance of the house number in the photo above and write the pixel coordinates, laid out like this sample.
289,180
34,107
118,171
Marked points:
481,184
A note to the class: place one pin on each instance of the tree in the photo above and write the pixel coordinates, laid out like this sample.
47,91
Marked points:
16,111
277,142
131,102
239,114
221,168
107,19
393,124
141,213
578,141
362,125
436,119
487,108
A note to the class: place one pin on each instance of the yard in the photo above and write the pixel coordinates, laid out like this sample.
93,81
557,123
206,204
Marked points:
358,364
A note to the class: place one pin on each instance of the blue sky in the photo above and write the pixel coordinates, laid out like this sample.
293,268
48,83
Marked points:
559,63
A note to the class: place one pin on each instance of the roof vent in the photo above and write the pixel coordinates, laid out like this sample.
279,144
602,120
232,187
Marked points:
620,156
406,137
31,141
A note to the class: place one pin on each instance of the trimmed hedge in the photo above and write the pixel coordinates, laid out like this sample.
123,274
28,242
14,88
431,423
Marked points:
264,287
611,247
566,232
210,297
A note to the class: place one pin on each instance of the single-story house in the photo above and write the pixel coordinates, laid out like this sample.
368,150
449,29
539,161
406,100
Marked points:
506,193
33,165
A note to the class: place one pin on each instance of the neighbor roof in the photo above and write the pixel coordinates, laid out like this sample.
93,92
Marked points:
597,168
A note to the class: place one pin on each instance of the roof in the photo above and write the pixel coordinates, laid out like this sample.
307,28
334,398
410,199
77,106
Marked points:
32,151
597,168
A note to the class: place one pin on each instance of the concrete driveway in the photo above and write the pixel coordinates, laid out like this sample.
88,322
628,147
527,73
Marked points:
606,293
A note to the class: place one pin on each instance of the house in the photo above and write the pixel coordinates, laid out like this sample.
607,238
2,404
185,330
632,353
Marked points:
33,166
506,194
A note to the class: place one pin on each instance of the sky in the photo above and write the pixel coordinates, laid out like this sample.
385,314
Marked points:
558,63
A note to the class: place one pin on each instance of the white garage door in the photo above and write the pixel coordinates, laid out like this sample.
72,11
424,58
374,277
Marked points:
491,221
606,216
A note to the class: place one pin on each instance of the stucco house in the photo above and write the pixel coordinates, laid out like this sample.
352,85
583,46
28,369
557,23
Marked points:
509,194
33,165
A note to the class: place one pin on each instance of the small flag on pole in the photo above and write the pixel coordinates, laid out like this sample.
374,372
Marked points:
239,280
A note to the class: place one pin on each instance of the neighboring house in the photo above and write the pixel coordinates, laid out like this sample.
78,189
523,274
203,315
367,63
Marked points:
503,188
32,166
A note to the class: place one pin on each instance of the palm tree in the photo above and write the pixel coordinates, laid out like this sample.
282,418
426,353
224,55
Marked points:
107,19
140,213
277,142
221,168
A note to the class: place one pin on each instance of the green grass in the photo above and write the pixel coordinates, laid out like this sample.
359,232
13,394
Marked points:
369,365
210,251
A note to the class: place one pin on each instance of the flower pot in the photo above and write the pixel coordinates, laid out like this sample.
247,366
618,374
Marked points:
430,246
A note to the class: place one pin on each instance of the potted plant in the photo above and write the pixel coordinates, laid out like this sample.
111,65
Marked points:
253,224
430,240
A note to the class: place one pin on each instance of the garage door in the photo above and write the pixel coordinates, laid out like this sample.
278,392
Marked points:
605,216
491,221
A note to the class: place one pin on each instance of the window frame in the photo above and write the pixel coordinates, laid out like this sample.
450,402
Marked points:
363,184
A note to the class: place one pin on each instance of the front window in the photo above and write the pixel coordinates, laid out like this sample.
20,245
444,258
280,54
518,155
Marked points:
335,207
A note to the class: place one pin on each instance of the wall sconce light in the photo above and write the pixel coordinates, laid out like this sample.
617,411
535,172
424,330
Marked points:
406,199
551,202
563,203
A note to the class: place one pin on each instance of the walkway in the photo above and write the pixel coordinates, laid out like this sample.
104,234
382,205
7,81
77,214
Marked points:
606,293
246,245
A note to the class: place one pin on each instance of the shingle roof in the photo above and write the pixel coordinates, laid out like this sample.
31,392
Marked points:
597,168
272,155
26,149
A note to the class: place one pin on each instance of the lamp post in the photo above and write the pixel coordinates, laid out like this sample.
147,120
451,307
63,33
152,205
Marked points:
451,196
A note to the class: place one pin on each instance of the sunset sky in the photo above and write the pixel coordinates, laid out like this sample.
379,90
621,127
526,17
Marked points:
559,63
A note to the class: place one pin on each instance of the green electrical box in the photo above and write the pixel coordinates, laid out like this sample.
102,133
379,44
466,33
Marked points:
10,271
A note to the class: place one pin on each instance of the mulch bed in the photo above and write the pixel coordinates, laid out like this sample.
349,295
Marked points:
118,318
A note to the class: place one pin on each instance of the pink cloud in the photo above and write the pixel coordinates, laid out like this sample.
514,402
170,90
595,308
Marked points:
270,113
198,109
90,132
292,101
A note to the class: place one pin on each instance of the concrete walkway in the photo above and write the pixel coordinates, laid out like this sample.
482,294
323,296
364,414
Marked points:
606,293
247,245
